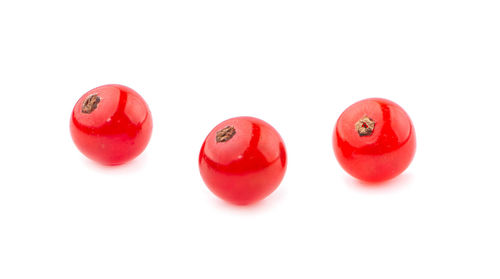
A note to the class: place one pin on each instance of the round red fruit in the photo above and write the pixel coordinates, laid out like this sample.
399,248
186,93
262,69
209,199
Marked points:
374,140
243,160
111,124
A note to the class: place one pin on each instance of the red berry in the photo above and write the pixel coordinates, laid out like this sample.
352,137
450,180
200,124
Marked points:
111,124
374,140
243,160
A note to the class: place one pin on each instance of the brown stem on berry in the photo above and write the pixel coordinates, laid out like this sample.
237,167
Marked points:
90,104
365,126
225,134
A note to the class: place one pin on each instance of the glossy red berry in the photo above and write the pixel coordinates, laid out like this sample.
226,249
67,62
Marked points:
111,124
374,140
243,160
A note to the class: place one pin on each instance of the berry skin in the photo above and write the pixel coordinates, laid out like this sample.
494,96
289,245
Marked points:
374,140
111,124
243,160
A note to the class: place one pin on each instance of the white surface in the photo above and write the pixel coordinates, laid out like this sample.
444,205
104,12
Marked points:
294,64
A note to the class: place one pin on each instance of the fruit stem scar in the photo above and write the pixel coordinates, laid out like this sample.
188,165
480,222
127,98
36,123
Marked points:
365,126
225,134
90,104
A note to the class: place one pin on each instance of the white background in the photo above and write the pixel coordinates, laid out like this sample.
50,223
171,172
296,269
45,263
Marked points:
294,64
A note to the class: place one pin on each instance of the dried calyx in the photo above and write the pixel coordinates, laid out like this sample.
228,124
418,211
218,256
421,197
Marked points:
365,126
225,134
90,104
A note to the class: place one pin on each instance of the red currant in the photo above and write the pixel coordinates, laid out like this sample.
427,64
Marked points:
243,160
111,124
374,140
